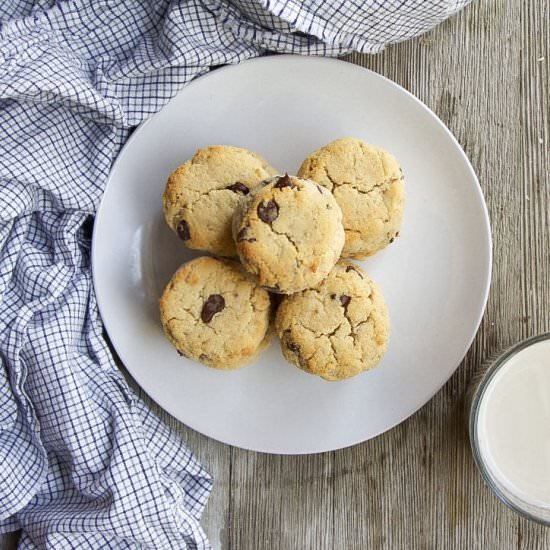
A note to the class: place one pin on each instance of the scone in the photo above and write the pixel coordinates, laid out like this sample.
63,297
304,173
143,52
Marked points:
201,195
337,329
215,313
288,233
368,184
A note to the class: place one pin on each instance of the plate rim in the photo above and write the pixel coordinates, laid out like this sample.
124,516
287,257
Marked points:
282,58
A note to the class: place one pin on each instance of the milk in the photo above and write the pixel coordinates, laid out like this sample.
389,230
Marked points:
513,425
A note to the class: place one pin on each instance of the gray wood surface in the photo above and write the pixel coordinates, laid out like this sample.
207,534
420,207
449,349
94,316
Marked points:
485,73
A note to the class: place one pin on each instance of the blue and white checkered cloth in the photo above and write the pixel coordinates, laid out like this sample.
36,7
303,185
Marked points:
83,463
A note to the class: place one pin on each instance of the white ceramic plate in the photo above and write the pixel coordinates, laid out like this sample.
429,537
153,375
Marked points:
435,277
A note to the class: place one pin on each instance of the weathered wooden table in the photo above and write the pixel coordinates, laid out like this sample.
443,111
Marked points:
485,72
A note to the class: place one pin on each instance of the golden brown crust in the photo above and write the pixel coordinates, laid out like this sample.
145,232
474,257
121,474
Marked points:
225,339
204,192
368,184
289,236
338,329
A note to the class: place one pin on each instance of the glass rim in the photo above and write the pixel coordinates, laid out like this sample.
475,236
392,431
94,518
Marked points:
493,369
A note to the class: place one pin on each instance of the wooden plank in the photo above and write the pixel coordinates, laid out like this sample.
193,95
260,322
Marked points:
281,502
9,541
535,126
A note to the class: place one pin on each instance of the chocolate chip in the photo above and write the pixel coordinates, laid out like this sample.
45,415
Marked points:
242,234
333,296
320,189
353,268
345,300
183,230
295,348
239,188
284,181
268,211
213,305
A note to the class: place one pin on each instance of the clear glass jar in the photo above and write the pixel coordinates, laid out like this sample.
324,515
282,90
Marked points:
483,381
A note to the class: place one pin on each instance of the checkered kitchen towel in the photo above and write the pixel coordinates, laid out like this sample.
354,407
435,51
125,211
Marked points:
83,463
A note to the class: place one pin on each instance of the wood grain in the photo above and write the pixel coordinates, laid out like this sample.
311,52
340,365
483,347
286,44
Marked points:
485,73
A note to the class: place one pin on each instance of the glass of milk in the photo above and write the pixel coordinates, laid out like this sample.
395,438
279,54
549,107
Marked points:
509,424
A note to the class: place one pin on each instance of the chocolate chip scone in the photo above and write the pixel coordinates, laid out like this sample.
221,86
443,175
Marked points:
214,312
337,329
368,184
288,233
201,195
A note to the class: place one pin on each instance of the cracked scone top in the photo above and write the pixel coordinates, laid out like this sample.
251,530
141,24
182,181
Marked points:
201,195
212,311
368,184
288,233
339,328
